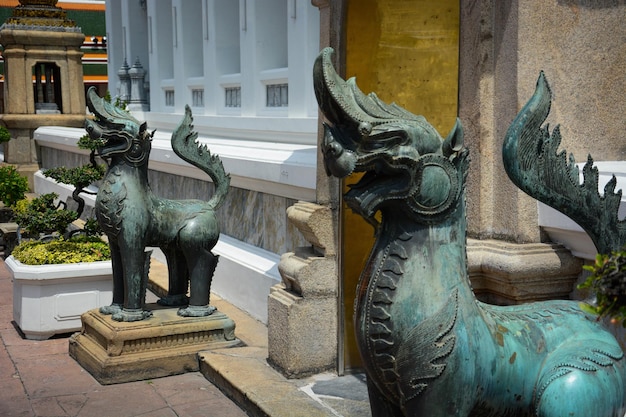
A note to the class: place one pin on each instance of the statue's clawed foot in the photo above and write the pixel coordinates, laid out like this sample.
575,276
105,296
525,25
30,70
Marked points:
175,300
111,309
131,315
196,311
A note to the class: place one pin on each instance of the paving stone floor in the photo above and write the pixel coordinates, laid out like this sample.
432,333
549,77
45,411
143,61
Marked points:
39,379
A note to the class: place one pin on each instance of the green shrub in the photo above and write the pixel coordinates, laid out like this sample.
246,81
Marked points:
13,185
92,228
5,136
60,251
41,215
21,205
608,281
82,176
79,177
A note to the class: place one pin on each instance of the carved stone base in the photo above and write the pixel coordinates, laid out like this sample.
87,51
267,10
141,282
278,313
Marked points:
166,344
301,333
513,273
302,309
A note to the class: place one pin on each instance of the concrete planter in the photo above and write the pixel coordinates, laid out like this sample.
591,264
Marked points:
50,299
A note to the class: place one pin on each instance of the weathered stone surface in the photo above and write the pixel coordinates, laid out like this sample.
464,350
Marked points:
581,44
166,344
513,273
298,349
306,274
315,223
298,345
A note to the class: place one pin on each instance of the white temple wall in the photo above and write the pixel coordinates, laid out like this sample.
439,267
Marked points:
244,67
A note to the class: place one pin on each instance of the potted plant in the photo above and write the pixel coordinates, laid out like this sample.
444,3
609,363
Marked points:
608,281
64,269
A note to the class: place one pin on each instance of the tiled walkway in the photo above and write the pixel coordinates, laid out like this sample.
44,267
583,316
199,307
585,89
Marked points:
38,378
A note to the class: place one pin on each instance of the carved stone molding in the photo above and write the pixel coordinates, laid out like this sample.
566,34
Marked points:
315,223
320,4
510,273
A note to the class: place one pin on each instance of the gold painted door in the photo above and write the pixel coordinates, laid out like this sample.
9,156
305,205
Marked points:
407,52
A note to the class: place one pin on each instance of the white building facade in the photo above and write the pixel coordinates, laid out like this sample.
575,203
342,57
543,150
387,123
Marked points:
245,69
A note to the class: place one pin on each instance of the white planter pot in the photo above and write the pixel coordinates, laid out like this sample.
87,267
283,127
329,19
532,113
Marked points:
49,299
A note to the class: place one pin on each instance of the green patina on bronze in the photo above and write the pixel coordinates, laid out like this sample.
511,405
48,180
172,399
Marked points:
134,218
429,347
532,162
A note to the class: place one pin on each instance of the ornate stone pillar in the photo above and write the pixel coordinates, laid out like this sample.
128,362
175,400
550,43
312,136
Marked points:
137,88
39,34
124,91
302,310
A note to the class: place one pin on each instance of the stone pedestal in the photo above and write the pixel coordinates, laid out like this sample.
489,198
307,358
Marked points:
302,310
166,344
302,336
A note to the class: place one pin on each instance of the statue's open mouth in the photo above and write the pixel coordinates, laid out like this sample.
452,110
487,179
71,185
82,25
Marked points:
380,182
408,166
110,142
113,128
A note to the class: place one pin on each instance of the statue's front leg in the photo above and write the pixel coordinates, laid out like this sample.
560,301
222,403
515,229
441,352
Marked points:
135,266
118,280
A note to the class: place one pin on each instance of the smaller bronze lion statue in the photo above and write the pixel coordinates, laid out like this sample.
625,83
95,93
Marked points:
133,218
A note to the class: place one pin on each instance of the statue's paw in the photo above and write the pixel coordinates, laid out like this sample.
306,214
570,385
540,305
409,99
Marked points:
196,311
175,300
131,315
111,309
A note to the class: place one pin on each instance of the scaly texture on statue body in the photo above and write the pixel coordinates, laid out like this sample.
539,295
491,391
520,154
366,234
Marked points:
428,346
134,218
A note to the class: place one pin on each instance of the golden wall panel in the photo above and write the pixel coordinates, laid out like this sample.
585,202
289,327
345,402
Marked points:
407,52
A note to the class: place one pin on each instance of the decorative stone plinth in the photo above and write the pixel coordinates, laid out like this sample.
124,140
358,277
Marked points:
165,344
300,333
302,309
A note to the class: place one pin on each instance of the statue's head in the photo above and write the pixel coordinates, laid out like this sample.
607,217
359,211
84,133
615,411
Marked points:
408,166
118,132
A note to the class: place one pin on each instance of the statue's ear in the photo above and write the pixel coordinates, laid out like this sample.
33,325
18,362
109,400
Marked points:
454,141
143,128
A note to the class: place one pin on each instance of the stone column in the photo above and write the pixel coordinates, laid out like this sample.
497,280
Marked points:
506,273
504,45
